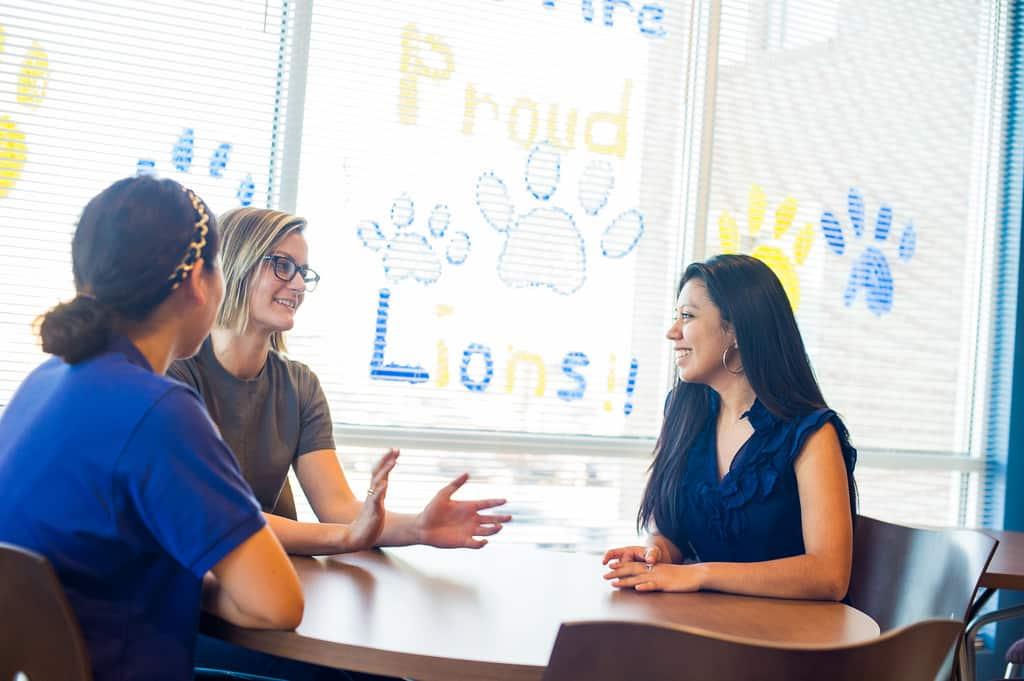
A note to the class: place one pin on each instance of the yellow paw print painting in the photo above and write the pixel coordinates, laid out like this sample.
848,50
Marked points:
30,91
755,240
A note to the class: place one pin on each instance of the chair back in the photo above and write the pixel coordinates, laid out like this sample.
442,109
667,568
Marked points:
903,574
39,634
612,651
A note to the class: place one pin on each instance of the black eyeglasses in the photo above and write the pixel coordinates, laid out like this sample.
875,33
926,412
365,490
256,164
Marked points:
285,269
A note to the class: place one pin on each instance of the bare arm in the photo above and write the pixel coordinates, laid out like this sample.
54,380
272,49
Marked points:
822,572
255,585
444,522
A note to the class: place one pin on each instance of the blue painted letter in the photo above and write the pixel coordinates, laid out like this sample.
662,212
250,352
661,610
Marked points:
569,364
379,371
467,358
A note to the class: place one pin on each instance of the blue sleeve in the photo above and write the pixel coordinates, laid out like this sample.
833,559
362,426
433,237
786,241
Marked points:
185,484
811,424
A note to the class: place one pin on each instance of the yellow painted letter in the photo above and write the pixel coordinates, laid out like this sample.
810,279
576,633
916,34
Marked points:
530,358
619,120
413,68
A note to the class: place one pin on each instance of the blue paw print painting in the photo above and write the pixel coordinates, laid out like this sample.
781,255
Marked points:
543,246
410,254
182,155
870,271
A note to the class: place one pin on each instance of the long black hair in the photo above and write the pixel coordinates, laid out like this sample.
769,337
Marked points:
751,299
134,243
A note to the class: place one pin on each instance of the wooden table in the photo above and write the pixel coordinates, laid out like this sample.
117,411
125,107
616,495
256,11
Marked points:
493,614
1005,571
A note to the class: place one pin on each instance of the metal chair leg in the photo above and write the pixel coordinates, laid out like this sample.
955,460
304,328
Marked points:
971,635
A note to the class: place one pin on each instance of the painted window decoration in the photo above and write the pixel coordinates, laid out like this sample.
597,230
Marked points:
411,253
762,243
871,275
182,158
549,233
32,80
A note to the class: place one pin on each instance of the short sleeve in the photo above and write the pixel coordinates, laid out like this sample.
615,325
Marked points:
185,484
316,431
811,424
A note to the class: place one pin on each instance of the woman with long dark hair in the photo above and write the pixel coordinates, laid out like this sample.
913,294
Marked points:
751,490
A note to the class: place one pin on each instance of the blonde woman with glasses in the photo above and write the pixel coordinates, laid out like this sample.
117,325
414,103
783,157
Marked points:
273,412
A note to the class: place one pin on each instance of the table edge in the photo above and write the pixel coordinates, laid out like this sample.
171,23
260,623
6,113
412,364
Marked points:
358,658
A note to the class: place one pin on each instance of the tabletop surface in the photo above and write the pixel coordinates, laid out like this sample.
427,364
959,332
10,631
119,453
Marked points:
1006,571
494,614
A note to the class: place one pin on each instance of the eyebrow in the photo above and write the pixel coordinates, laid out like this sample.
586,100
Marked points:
286,255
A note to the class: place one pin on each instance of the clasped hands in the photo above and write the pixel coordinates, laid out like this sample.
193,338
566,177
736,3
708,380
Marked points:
646,568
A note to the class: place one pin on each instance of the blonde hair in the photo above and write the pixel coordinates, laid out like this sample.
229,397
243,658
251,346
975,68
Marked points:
247,236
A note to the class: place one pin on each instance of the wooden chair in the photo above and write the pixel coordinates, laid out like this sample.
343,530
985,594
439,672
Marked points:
39,635
612,651
902,575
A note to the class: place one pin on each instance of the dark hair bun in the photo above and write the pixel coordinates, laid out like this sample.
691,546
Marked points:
77,330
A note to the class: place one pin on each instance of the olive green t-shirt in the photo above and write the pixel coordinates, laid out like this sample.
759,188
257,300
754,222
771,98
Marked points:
268,421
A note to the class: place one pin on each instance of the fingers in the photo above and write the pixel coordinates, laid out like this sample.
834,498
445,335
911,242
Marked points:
490,518
380,490
484,504
640,583
623,570
474,543
453,486
625,554
652,555
632,575
487,530
385,464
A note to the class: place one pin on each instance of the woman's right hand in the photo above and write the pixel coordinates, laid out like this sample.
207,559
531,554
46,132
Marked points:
633,554
364,531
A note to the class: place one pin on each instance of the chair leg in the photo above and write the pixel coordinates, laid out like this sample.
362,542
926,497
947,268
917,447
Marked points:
970,636
1013,670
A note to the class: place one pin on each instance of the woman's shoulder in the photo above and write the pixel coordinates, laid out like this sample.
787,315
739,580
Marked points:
292,372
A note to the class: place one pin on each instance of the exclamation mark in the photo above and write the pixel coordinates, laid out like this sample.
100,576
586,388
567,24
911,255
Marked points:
634,366
611,381
442,350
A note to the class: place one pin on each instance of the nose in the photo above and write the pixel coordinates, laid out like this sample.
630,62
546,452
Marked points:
675,332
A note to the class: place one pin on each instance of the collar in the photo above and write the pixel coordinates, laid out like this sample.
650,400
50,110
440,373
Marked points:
123,345
759,416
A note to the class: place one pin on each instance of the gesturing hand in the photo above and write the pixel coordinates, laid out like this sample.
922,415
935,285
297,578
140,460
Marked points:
449,524
364,531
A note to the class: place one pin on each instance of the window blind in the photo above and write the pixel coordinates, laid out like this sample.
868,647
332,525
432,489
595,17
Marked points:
502,195
96,91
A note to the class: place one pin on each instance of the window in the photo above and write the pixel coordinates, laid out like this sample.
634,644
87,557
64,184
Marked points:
502,196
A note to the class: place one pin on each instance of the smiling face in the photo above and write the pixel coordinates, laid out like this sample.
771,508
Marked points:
699,335
274,302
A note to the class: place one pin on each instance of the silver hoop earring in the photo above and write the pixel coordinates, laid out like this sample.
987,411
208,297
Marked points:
725,362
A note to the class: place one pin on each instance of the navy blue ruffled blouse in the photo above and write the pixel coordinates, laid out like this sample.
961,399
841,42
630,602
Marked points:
753,513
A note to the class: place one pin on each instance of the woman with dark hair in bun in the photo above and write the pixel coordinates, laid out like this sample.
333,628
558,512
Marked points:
115,473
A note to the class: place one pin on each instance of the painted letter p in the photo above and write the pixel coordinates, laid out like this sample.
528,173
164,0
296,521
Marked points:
413,68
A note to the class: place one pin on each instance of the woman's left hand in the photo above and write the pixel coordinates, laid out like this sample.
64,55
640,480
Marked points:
660,577
447,523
